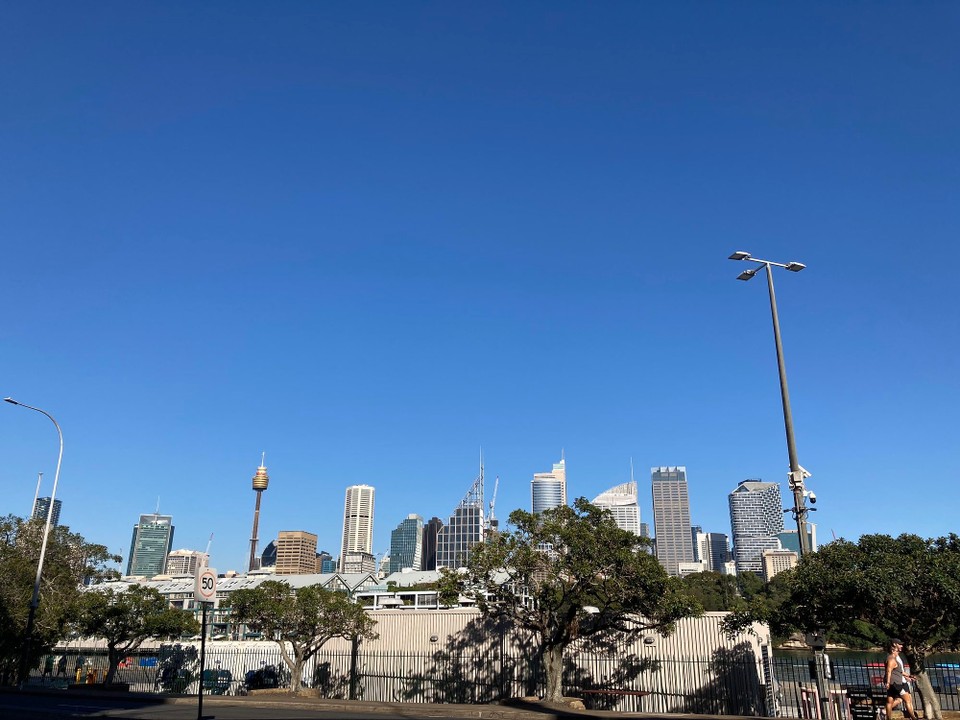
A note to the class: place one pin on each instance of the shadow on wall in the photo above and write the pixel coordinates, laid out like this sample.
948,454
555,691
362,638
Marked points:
330,684
480,664
734,688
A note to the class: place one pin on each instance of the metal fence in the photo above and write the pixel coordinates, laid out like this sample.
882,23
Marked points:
730,682
859,682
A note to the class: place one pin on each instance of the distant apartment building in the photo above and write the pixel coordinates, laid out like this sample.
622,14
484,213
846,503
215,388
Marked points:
151,543
358,562
324,560
756,519
621,501
296,553
41,506
406,544
671,517
776,561
357,522
549,489
186,562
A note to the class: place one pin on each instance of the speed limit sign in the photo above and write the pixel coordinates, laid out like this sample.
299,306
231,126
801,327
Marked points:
205,587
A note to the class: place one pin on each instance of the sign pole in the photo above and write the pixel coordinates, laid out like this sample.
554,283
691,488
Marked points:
204,592
203,657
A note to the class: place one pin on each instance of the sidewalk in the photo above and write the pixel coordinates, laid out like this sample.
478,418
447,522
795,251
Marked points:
515,710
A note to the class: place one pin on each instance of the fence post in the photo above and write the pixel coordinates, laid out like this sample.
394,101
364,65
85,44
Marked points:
354,676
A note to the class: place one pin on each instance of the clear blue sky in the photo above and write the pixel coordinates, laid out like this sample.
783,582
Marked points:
368,239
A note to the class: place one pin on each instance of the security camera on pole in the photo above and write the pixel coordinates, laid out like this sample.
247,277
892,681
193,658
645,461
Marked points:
204,592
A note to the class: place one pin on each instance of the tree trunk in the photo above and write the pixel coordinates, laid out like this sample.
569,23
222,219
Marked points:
553,670
918,668
931,703
294,664
113,659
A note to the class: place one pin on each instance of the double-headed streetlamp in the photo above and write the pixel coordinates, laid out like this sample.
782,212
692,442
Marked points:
797,473
35,601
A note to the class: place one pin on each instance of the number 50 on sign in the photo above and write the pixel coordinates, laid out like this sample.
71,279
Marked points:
205,587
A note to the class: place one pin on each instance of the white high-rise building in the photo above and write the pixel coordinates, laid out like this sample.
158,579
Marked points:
621,501
756,520
549,490
671,517
357,522
186,562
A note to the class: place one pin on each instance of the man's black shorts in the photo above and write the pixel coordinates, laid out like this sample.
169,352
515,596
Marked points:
895,690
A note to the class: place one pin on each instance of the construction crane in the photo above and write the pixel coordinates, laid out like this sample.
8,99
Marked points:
492,522
207,551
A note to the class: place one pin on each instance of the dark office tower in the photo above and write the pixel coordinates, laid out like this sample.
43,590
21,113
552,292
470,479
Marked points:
695,532
151,543
269,556
41,507
260,482
756,518
406,546
430,532
464,529
671,517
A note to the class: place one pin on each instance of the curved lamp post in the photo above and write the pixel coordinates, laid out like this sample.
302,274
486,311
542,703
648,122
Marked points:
797,473
35,601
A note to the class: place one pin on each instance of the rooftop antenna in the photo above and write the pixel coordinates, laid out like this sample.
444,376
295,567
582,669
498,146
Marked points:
631,471
158,506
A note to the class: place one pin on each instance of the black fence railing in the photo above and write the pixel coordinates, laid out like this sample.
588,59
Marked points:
729,683
861,682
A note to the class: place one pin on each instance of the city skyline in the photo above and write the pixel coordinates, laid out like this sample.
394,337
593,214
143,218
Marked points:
369,241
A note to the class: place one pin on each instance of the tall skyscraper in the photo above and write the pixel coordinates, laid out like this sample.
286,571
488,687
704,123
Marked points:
430,532
549,490
406,544
357,523
464,529
714,551
296,553
756,519
151,543
671,517
186,562
621,501
260,482
40,508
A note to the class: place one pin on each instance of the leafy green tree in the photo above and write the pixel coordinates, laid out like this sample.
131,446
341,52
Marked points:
878,588
69,561
714,591
125,618
305,617
570,573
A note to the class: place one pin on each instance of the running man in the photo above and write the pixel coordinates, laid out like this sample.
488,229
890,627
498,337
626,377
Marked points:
897,688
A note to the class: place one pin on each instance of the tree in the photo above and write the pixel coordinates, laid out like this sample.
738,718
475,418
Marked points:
125,618
70,560
305,617
570,573
878,588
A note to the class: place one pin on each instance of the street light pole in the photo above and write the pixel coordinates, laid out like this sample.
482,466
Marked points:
35,600
797,473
